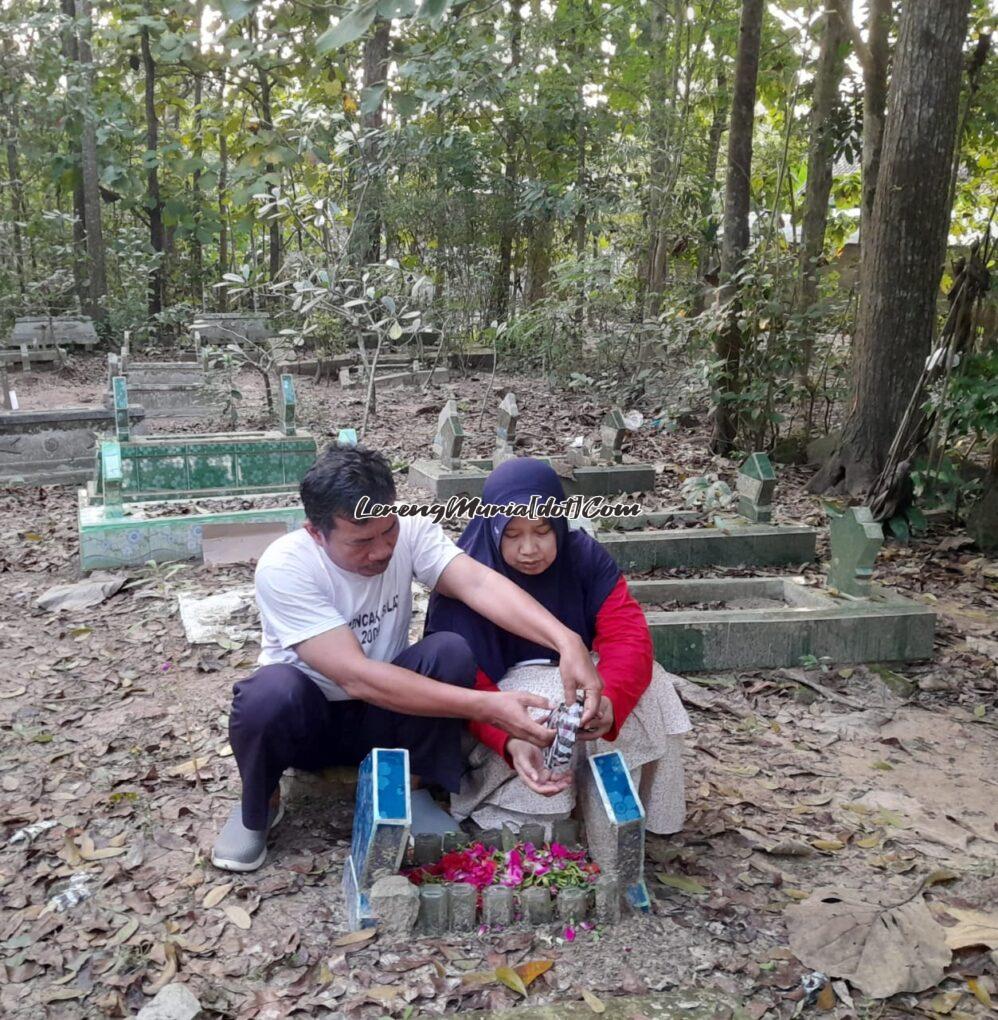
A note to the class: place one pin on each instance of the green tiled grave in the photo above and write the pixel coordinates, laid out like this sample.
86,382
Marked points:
118,523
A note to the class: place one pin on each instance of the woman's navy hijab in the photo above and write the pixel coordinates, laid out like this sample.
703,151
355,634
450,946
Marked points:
572,589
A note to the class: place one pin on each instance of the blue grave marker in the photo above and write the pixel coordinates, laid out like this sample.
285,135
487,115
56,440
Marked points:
615,825
381,822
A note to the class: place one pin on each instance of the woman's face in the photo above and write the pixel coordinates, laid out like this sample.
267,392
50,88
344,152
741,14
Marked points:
529,545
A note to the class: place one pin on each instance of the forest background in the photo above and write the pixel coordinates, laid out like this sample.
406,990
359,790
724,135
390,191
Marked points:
785,206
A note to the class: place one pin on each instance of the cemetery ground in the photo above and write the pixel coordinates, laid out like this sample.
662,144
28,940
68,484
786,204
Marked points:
876,783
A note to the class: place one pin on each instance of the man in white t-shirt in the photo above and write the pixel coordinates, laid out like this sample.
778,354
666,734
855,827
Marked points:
337,675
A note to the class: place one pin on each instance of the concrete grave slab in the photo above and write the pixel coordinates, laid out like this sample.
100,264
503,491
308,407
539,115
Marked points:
231,327
751,544
54,447
791,621
37,331
238,543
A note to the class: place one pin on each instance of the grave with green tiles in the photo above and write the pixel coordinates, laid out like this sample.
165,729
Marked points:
152,496
761,622
747,538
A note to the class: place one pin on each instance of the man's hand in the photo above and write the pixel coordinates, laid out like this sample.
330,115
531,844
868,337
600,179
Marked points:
508,711
529,764
579,674
602,722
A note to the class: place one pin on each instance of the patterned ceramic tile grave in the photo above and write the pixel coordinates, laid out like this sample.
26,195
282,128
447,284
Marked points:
381,823
175,467
131,539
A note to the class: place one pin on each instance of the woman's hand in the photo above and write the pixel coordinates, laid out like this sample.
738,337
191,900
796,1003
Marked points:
602,722
528,761
579,674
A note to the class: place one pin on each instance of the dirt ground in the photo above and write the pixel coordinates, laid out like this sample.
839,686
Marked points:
878,783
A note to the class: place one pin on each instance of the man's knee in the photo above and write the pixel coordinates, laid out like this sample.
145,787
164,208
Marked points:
272,696
452,661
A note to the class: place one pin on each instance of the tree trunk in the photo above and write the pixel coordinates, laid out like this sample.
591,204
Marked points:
663,89
223,183
902,260
706,246
820,158
197,250
90,172
366,240
873,54
728,345
539,257
18,212
71,53
274,227
499,298
154,204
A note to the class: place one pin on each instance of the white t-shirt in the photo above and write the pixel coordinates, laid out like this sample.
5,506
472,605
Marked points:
302,593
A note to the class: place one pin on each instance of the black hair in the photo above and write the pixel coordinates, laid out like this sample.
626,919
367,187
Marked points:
334,484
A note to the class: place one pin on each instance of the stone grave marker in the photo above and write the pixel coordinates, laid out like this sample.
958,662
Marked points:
119,389
855,539
444,474
509,414
111,476
612,437
755,486
4,388
615,825
450,408
451,441
40,331
381,823
286,412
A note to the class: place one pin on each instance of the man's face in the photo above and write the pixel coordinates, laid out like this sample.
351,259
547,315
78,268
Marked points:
359,547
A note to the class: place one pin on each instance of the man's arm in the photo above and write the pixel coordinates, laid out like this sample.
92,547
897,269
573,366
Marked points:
498,599
338,655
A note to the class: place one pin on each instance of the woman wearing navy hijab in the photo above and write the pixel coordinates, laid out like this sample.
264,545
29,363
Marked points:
573,577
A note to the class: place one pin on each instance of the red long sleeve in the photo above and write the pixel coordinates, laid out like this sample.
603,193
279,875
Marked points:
624,644
485,733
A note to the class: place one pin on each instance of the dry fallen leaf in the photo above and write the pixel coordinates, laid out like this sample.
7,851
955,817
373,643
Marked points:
124,933
946,1002
682,883
169,972
189,768
982,995
533,969
511,980
593,1001
14,692
354,937
826,998
880,947
216,894
973,928
238,916
828,845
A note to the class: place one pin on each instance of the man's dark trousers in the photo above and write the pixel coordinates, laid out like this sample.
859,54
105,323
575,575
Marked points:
280,719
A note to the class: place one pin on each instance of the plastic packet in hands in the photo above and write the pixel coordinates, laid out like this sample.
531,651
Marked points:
564,720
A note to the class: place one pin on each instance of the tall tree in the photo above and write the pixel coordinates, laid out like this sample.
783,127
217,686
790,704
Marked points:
370,194
499,298
902,260
820,158
736,222
153,202
874,54
90,171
